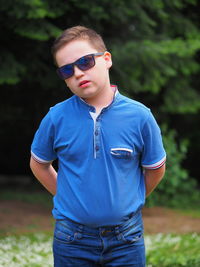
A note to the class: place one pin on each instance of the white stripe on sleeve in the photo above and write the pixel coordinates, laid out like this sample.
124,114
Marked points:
156,165
39,160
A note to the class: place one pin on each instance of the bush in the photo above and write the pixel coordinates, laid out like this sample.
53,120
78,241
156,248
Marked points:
177,189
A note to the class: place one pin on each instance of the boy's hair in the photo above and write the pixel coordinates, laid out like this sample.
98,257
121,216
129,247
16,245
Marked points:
79,33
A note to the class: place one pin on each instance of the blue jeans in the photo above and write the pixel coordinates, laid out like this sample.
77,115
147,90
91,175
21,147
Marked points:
78,245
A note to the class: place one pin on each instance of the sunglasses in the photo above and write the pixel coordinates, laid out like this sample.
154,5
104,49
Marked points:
83,63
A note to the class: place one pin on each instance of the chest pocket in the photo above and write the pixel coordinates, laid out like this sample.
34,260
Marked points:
121,152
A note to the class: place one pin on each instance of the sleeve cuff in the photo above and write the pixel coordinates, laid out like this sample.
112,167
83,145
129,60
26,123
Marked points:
156,165
39,160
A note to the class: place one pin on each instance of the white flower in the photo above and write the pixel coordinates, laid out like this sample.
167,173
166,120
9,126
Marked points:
26,251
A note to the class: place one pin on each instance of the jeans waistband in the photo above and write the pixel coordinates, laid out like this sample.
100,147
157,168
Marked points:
135,218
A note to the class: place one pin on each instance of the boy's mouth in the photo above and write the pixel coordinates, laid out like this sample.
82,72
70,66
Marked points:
84,83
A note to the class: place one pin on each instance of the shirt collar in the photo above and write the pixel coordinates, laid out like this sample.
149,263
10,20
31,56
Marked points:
113,88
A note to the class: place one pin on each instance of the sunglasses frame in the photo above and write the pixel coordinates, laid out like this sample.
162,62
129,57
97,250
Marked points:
76,63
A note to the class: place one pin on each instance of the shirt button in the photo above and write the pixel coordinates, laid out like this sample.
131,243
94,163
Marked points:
97,148
96,132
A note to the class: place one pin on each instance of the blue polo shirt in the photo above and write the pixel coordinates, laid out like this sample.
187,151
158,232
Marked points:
100,158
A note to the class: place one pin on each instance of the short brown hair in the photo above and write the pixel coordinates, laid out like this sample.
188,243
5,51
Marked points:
76,33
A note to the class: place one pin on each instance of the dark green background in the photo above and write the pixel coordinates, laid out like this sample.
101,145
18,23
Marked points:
156,59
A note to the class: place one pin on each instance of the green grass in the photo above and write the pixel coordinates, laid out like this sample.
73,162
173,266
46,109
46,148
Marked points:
35,250
173,250
31,250
194,213
43,198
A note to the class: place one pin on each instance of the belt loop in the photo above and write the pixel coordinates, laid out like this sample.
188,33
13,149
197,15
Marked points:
78,234
80,228
118,234
117,230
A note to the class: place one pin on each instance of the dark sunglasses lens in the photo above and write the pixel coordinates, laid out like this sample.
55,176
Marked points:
66,72
86,62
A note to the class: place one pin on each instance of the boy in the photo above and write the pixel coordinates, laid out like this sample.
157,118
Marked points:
110,156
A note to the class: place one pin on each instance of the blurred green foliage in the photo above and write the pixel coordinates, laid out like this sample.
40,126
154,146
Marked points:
177,189
173,250
165,66
155,47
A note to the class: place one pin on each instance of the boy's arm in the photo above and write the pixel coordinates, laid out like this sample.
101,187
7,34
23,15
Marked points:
46,174
153,178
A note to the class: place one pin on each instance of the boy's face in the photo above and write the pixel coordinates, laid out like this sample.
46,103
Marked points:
91,83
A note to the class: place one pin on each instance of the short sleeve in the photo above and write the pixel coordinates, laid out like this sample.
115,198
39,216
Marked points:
154,155
42,148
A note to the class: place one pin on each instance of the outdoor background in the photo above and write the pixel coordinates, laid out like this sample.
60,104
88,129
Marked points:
155,46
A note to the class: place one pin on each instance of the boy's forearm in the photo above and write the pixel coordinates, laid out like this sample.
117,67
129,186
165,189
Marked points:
153,178
46,175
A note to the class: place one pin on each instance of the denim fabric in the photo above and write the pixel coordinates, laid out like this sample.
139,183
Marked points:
78,245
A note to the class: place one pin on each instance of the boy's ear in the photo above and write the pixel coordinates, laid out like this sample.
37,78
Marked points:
108,59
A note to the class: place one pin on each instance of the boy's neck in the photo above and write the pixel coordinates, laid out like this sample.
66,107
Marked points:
103,100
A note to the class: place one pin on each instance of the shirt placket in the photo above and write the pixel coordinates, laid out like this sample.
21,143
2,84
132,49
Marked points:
97,137
96,133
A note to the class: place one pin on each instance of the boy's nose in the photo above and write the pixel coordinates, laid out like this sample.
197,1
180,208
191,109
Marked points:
78,72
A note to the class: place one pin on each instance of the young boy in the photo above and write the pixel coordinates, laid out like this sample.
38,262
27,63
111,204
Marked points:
110,156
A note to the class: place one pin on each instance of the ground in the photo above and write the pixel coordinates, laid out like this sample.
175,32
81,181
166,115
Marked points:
20,217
